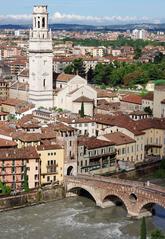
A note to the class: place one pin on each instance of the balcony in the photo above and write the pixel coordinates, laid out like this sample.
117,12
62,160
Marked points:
52,169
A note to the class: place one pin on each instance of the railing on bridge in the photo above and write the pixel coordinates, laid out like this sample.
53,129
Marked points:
142,185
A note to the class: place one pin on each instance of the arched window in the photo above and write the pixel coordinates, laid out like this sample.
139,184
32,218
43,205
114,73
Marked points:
44,83
38,24
43,22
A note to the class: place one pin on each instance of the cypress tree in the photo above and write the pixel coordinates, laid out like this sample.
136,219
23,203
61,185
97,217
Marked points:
143,232
82,110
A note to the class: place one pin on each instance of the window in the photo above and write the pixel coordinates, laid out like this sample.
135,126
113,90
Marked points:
123,150
44,83
54,153
48,178
38,24
43,22
54,178
70,143
137,147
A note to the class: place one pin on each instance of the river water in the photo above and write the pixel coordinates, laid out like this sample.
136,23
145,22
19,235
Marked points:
72,218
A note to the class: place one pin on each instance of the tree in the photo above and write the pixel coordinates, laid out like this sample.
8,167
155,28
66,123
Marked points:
143,232
25,183
90,75
77,67
138,53
158,58
69,69
157,234
148,110
82,110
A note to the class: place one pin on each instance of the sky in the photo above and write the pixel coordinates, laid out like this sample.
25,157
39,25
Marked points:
96,12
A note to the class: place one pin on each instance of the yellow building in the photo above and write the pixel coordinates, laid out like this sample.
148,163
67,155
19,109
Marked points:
52,163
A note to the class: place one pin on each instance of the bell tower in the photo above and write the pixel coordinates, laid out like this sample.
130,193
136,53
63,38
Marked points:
40,60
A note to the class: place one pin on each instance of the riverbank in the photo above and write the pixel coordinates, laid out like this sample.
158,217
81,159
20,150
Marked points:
32,198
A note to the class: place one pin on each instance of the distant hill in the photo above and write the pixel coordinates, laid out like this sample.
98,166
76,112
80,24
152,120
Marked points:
78,27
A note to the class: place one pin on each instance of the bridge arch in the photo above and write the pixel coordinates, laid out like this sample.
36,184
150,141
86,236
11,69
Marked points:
114,199
148,206
77,190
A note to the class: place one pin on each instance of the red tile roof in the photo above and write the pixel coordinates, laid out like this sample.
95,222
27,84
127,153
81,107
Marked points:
22,153
93,143
134,99
119,138
83,99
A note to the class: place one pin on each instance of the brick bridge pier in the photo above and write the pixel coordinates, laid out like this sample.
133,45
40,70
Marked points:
137,198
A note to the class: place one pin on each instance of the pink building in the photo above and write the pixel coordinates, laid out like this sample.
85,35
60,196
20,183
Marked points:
16,163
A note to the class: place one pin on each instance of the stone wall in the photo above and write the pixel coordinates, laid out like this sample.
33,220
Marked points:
32,198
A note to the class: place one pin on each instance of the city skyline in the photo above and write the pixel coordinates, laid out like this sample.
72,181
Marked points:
94,12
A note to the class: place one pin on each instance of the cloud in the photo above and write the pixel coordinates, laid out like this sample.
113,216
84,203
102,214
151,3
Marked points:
96,20
58,17
12,19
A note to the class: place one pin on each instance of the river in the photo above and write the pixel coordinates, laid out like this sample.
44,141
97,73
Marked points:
72,218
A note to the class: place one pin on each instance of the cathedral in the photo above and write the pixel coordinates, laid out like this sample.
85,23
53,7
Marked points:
66,91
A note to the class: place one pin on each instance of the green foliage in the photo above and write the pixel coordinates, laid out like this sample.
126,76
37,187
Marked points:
160,173
114,44
143,231
148,110
138,53
82,110
25,183
77,67
11,117
157,234
90,75
5,189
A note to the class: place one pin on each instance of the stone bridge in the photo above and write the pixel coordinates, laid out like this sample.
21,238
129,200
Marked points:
137,197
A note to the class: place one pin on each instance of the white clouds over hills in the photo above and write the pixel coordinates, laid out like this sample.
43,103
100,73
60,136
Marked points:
58,17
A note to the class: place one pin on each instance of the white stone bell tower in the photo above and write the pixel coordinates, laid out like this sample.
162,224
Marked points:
40,60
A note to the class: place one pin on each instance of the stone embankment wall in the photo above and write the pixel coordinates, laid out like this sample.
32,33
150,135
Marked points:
32,198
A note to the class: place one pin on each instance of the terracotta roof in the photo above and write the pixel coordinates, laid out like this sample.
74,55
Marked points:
61,127
7,143
105,93
150,123
64,77
48,147
134,99
93,143
30,137
119,138
149,96
12,102
77,120
83,99
22,153
120,120
3,113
